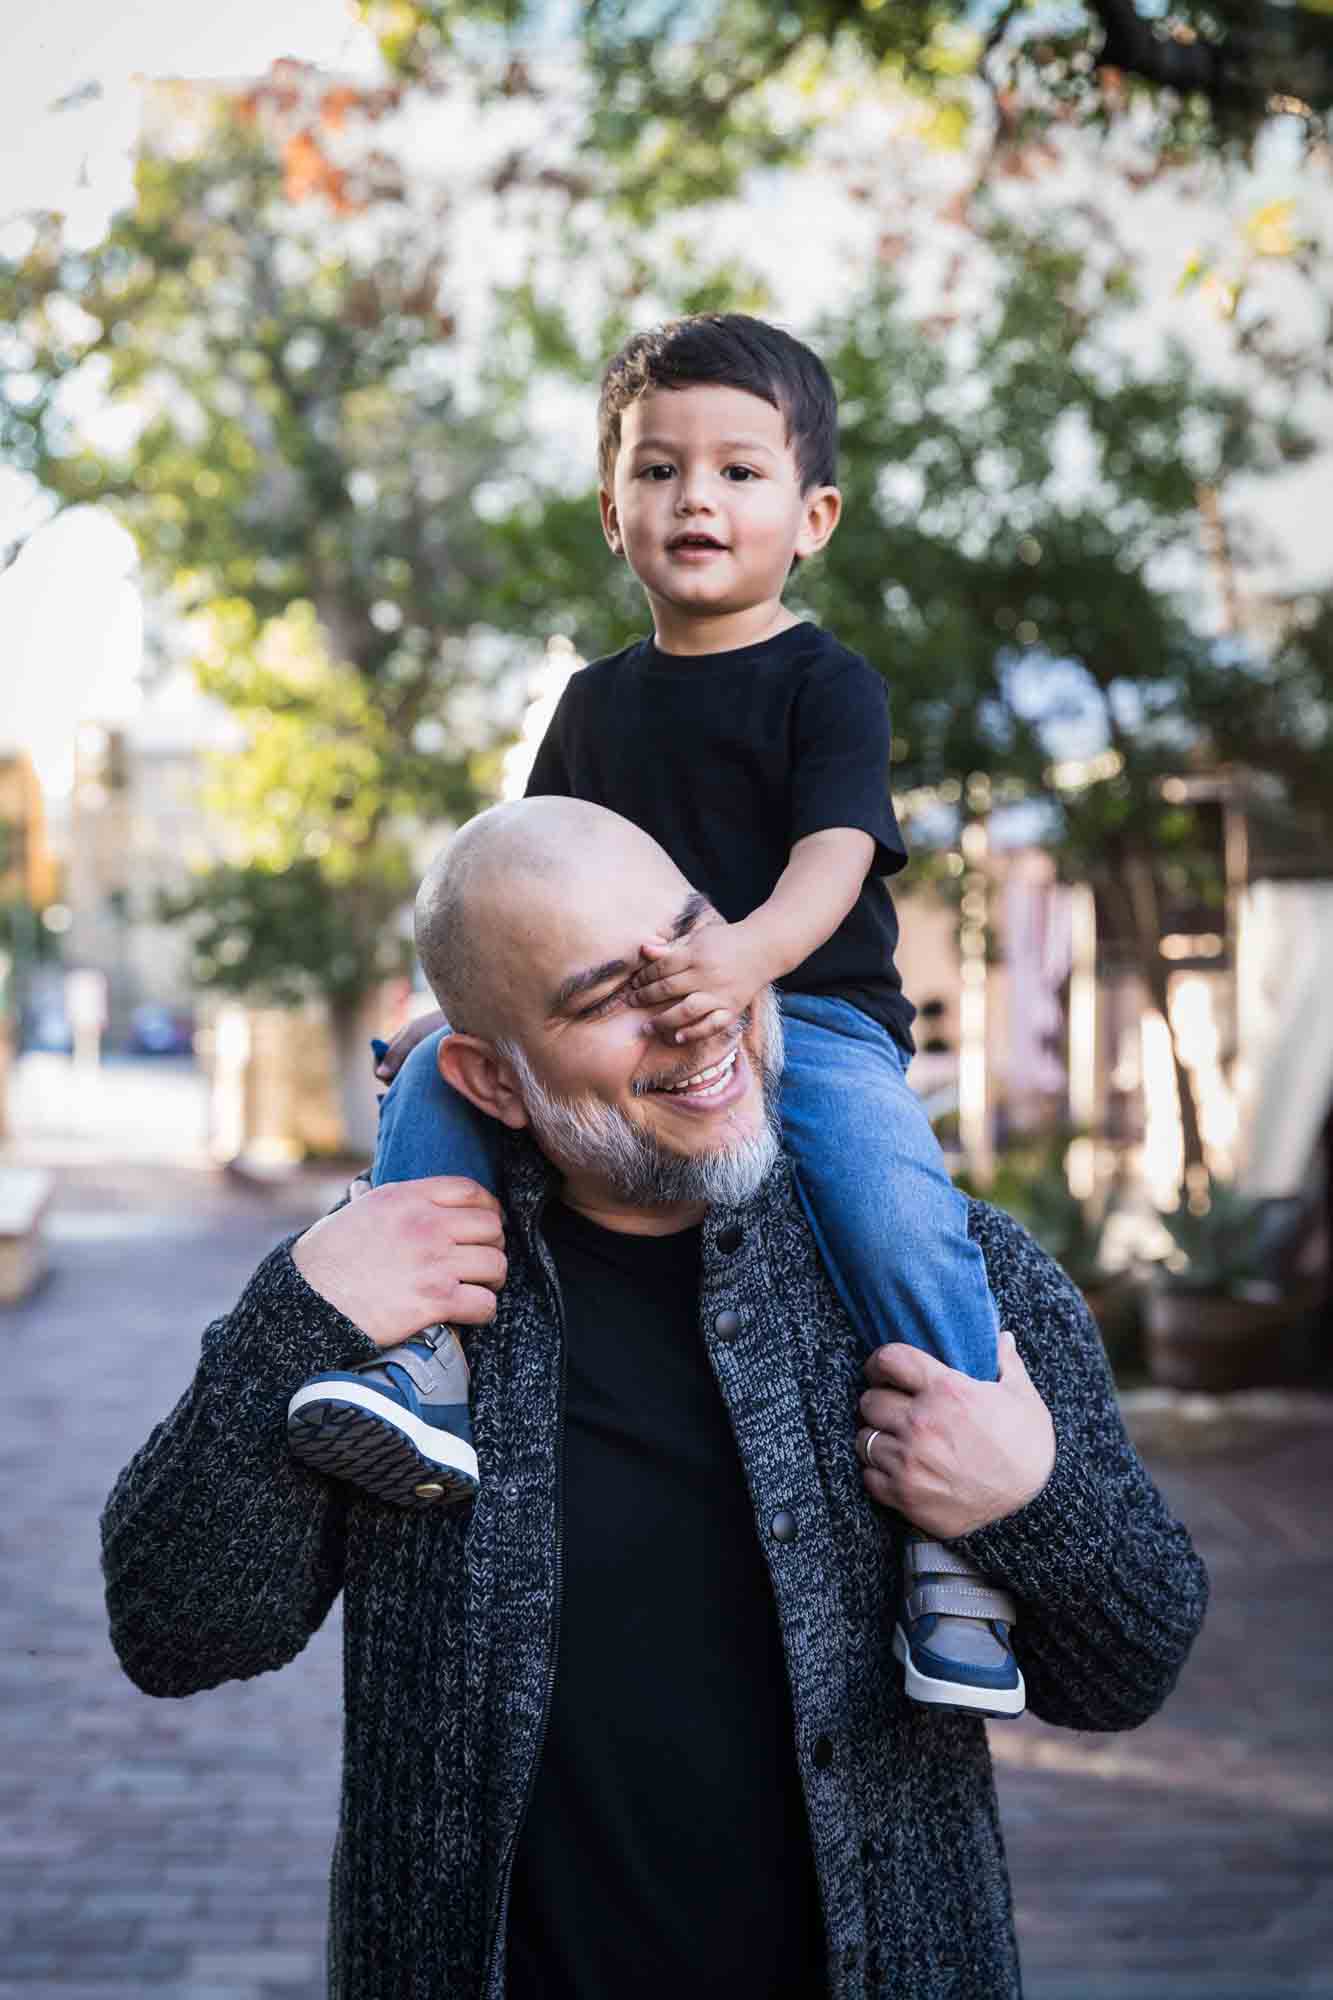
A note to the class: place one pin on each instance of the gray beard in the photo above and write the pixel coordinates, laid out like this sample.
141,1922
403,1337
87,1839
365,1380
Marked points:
585,1135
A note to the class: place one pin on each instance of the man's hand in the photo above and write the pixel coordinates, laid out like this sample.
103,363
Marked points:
953,1454
403,1043
712,976
407,1254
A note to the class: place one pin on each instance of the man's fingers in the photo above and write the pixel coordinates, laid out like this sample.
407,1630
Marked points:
358,1187
479,1264
455,1191
474,1305
885,1451
477,1225
886,1410
881,1471
1011,1363
899,1366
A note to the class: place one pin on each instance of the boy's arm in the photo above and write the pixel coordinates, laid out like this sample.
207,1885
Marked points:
715,972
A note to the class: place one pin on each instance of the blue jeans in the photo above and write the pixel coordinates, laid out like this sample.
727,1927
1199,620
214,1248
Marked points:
890,1225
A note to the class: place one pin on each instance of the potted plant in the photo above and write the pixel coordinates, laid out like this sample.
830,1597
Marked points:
1215,1315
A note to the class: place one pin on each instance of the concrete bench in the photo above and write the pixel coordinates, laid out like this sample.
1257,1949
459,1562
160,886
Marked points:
24,1195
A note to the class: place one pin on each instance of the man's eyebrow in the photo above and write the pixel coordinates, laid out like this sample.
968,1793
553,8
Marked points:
583,982
617,968
691,910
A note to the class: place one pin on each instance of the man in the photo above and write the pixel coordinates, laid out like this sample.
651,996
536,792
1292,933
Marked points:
631,1721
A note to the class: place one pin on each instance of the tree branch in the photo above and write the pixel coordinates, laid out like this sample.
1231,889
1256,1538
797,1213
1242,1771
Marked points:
1266,50
1132,45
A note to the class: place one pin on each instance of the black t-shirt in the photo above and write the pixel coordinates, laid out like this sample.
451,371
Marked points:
666,1850
728,759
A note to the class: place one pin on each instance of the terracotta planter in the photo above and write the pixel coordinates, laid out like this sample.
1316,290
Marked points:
1213,1342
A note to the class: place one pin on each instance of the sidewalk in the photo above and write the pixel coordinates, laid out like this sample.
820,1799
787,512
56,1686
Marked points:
152,1849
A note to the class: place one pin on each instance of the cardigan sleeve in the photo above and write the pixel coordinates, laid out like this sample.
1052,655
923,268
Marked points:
221,1555
1111,1590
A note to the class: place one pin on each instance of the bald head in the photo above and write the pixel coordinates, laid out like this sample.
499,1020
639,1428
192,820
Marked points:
506,880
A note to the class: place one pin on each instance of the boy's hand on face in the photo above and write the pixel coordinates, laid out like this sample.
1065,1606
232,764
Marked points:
711,977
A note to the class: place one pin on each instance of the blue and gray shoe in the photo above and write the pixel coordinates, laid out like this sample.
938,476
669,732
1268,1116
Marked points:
953,1634
397,1427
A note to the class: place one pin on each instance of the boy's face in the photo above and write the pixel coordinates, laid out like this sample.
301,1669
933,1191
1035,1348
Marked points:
707,507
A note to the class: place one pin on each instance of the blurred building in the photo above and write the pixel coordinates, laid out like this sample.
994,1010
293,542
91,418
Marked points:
27,865
136,824
1067,1036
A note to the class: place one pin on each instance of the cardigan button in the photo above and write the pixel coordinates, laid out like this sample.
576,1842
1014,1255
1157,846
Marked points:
783,1526
730,1238
727,1325
822,1754
851,1958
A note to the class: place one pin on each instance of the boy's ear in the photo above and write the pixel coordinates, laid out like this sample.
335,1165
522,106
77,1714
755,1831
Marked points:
610,522
823,508
478,1073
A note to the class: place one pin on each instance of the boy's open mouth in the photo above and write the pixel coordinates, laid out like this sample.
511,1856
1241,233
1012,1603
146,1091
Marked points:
695,542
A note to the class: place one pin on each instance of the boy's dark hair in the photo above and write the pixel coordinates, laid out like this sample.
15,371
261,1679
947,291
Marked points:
737,352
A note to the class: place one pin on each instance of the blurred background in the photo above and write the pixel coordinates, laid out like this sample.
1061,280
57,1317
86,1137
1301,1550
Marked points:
302,313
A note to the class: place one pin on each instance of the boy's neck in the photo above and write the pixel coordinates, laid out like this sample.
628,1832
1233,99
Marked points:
720,632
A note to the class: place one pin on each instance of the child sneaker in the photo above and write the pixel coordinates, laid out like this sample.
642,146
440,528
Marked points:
397,1427
953,1634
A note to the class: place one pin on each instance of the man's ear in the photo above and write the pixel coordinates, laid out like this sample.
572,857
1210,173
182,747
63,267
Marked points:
478,1073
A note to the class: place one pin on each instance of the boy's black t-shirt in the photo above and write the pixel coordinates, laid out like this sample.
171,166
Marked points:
665,1853
727,760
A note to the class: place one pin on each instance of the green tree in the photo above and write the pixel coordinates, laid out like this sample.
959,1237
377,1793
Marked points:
683,99
266,343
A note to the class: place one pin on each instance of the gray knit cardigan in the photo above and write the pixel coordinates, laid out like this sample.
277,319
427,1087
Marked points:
222,1556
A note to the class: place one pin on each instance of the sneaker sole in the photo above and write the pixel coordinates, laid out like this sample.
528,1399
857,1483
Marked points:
345,1438
1003,1704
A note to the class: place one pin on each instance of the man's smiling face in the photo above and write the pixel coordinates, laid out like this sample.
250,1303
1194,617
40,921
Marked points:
530,927
592,1043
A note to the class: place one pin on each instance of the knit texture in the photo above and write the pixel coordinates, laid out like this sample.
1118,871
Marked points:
222,1556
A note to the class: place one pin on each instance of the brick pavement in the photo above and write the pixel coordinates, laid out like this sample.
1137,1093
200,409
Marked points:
181,1848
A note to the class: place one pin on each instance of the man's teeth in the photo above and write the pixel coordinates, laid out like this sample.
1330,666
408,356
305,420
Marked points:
706,1082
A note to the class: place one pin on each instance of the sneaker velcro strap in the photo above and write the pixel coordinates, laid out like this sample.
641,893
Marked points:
423,1369
958,1600
934,1559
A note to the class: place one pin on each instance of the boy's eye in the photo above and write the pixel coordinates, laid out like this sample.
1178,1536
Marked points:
651,471
748,471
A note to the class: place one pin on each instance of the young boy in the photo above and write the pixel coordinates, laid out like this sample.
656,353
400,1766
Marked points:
755,749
